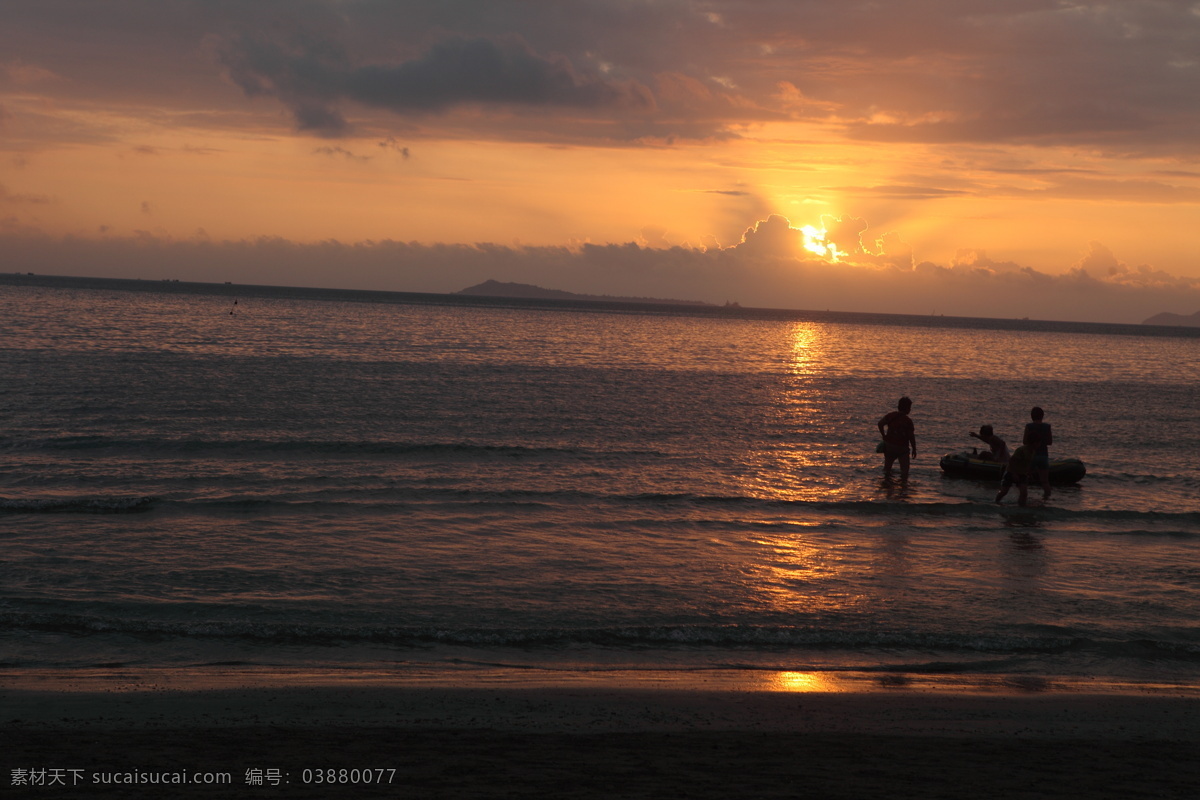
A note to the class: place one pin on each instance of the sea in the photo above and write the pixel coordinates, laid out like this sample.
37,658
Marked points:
207,484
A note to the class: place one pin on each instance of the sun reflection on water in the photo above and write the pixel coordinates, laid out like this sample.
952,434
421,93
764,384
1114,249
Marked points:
806,348
806,682
792,450
794,575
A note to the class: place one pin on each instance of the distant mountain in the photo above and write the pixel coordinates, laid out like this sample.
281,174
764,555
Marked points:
1166,318
527,291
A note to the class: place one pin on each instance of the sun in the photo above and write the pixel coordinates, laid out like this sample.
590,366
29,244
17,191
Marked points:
814,242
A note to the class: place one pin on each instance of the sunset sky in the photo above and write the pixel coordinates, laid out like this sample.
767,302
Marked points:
1001,158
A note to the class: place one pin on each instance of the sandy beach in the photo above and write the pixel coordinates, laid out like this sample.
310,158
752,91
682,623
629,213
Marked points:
439,741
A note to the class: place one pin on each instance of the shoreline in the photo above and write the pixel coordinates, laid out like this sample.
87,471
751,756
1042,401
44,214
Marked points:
611,709
595,742
576,701
453,675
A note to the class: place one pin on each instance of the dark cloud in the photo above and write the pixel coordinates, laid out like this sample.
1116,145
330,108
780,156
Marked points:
316,118
453,72
1122,75
342,152
1098,287
1117,74
390,143
585,71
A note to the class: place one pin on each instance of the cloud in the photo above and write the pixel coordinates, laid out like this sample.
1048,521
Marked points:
1077,122
1136,191
23,198
840,240
342,152
845,233
901,191
1098,258
1100,261
773,236
199,151
654,237
390,143
1097,78
1147,277
453,72
1114,74
314,117
1121,75
23,74
978,260
758,274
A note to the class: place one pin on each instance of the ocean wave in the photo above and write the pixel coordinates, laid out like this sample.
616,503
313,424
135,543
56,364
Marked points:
155,447
750,510
77,505
730,638
405,497
1184,479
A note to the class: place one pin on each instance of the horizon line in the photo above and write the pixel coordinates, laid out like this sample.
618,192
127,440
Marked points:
597,303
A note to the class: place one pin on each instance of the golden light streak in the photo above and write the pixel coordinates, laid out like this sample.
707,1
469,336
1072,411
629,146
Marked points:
806,349
807,682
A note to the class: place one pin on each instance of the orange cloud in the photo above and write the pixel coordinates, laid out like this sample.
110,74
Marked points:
1100,261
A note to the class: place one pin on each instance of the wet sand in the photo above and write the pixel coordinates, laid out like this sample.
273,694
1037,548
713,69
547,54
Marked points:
593,742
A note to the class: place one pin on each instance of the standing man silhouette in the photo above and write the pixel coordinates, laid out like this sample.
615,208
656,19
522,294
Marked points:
1038,437
896,428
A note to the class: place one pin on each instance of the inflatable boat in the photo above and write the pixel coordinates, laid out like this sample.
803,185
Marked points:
970,465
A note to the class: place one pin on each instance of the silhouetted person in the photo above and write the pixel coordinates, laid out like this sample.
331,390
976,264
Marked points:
998,451
1017,472
1038,438
896,428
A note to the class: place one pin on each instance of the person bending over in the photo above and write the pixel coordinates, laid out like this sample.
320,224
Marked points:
999,448
1017,472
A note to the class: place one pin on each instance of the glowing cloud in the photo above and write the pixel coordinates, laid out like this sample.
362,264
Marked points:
837,241
814,242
